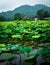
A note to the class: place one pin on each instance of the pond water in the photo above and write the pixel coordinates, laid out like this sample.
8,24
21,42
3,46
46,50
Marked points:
23,56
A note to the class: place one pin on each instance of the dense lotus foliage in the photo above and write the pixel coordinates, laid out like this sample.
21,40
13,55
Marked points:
14,49
25,32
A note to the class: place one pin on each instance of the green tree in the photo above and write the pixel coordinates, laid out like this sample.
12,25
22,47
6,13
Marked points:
17,16
42,13
49,13
2,18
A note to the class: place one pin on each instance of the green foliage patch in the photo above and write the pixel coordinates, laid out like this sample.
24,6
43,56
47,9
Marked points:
24,32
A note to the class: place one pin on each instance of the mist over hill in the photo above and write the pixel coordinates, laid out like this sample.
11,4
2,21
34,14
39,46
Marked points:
25,10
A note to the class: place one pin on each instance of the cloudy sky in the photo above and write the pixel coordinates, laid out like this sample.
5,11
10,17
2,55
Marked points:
6,5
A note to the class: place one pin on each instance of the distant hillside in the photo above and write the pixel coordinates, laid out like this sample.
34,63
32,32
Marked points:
25,10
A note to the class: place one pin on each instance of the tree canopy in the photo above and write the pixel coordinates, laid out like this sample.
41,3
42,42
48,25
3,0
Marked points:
17,16
42,13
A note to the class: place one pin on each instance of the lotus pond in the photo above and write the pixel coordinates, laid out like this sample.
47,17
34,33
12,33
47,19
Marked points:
23,37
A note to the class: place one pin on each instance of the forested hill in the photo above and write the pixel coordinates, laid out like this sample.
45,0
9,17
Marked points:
25,10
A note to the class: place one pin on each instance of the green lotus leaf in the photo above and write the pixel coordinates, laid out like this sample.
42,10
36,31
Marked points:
4,36
30,56
26,50
36,36
16,36
16,47
2,45
8,31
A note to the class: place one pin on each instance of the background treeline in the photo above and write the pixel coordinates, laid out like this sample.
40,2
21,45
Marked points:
41,14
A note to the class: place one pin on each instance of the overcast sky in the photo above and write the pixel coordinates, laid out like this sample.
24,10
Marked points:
6,5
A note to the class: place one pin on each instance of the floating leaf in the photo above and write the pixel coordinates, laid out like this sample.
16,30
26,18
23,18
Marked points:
36,36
